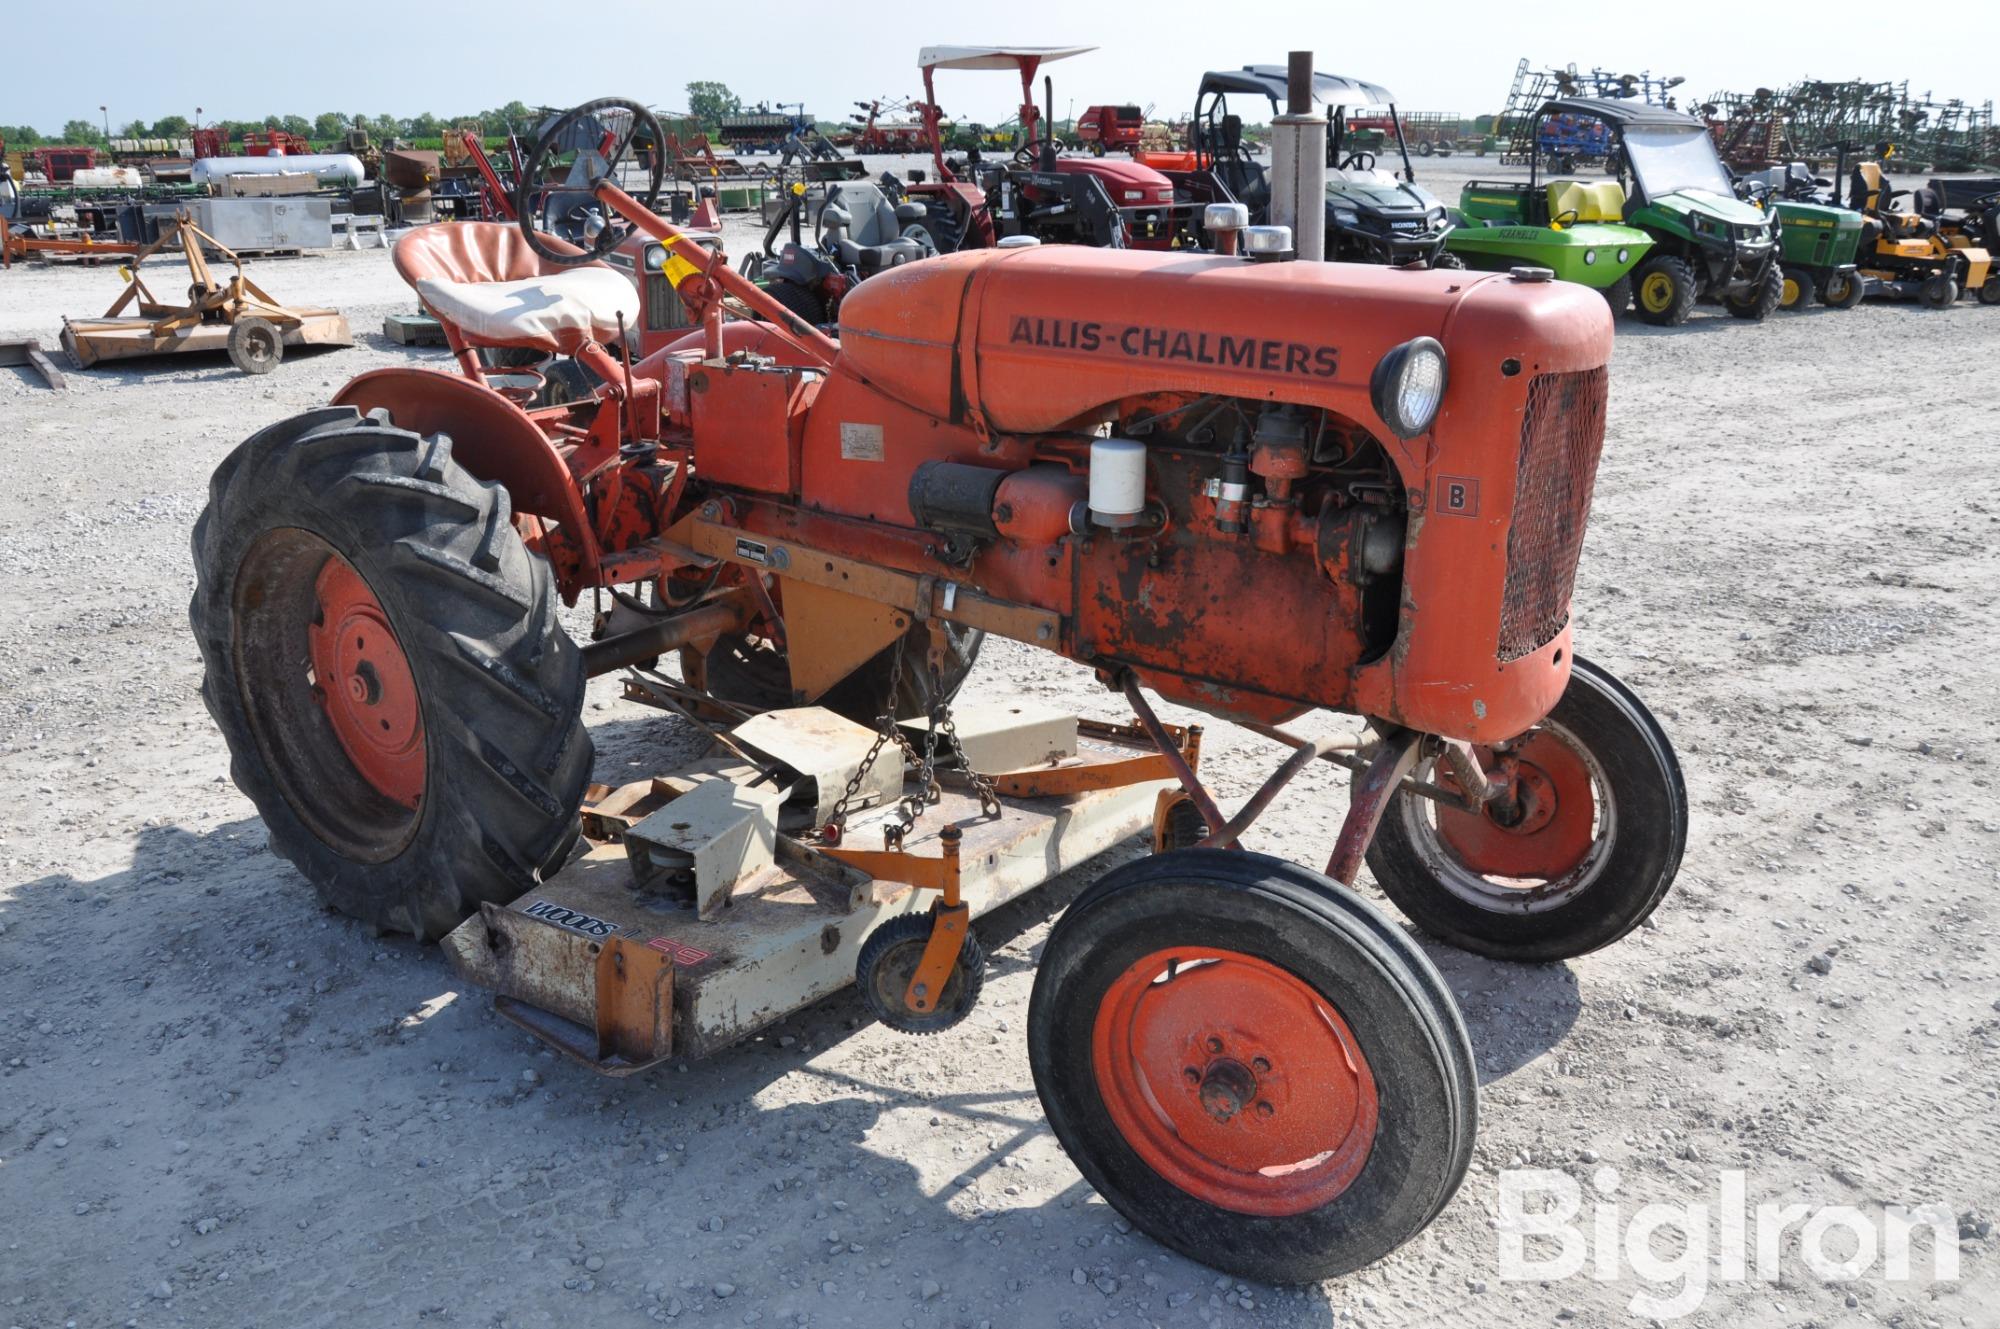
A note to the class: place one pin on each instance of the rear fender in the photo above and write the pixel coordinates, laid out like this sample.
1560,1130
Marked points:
490,436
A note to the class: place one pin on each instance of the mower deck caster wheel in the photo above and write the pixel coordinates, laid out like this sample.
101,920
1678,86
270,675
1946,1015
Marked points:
888,961
1589,854
255,345
1252,1064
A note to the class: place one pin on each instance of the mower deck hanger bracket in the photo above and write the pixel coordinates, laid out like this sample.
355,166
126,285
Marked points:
754,923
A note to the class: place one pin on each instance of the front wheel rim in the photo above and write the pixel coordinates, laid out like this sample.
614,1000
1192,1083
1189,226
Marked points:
1657,292
1556,851
1234,1080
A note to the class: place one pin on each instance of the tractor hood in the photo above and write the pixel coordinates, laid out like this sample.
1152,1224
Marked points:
1127,182
1044,339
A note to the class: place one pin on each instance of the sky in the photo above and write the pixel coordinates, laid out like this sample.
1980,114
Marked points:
246,60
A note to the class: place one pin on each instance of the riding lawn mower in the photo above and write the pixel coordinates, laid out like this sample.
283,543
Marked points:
1257,488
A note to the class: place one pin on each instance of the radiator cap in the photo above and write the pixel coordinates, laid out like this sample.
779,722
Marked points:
1526,273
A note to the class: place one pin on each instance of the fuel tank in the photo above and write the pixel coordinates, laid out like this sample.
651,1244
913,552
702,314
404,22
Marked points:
1032,340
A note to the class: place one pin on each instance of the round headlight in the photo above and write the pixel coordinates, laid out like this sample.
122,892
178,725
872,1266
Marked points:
1624,254
1589,256
1407,386
654,258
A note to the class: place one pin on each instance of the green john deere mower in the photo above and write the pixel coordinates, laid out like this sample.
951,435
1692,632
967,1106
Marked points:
1707,244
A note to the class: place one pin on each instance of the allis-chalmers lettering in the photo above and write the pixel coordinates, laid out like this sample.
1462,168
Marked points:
1264,354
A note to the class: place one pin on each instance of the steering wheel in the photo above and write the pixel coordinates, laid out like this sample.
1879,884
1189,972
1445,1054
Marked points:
1358,161
1028,154
587,146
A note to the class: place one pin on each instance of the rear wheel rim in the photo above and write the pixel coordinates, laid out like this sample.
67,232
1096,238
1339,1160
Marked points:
1557,848
1234,1080
304,623
364,684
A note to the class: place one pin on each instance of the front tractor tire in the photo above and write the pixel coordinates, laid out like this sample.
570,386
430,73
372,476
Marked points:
383,658
1252,1064
1798,289
1591,856
1841,290
1763,299
1664,291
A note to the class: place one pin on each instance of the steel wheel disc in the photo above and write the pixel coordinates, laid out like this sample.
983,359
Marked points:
363,682
1657,292
1234,1080
1552,853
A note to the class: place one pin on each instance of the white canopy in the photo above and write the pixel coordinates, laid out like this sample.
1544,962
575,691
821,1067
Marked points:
992,57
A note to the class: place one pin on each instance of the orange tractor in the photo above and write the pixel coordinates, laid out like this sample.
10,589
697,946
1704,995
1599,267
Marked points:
1258,488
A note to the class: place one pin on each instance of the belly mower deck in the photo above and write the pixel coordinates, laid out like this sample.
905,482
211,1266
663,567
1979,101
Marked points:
692,920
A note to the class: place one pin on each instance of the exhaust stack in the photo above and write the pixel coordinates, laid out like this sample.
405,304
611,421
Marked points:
1298,163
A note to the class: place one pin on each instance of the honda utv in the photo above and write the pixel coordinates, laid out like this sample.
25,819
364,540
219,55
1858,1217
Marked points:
1372,215
1708,244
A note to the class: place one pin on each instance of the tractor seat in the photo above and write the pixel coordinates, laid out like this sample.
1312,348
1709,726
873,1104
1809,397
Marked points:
483,279
1595,201
871,237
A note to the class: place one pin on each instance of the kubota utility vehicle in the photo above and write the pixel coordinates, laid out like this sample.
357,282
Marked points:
1707,243
1258,488
1372,215
1038,192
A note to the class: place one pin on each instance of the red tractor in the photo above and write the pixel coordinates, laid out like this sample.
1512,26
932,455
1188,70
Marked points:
1258,488
1038,193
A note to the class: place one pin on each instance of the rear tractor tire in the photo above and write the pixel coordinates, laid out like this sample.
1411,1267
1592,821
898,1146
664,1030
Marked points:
1664,291
1252,1064
1989,291
808,304
1594,853
383,658
1762,300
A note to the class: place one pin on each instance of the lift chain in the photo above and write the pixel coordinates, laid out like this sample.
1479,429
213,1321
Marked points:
886,731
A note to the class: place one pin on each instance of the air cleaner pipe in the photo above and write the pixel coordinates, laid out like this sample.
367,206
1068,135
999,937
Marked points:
1298,163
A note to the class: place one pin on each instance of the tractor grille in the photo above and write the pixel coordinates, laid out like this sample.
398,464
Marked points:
664,310
1561,436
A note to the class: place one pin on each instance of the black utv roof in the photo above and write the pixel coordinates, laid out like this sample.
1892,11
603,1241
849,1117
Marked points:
1269,81
1624,111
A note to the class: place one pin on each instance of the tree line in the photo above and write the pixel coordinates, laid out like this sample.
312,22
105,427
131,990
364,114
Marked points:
707,103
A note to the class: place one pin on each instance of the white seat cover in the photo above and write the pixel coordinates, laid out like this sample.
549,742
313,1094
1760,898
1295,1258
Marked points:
550,310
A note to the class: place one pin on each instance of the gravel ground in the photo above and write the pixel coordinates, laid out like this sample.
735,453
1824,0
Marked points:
222,1106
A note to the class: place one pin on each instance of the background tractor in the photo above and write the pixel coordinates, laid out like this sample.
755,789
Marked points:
1260,489
1038,192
